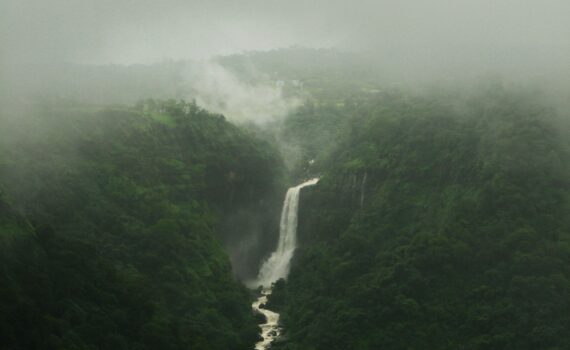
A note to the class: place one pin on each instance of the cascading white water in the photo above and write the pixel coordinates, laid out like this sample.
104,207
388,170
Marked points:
278,264
270,329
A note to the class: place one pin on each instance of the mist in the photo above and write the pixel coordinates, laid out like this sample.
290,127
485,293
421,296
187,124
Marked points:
382,174
436,39
218,89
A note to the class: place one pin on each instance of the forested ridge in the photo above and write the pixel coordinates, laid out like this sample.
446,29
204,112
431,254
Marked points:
112,221
284,175
441,221
441,218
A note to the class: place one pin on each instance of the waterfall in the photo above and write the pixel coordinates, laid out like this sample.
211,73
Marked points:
278,264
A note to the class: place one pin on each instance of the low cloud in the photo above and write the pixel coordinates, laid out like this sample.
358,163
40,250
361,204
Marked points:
220,90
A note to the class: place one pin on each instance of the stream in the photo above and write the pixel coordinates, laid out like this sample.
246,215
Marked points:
270,329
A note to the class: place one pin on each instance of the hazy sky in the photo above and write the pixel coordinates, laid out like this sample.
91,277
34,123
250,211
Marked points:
145,31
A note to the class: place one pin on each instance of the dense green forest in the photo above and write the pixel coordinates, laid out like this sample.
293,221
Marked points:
112,225
441,221
284,175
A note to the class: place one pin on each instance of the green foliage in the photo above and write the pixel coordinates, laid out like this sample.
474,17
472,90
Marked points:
439,223
112,236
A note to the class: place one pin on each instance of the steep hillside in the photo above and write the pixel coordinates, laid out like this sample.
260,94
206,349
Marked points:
111,226
440,222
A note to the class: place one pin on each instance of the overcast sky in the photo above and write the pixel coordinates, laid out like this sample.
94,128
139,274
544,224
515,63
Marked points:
145,31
